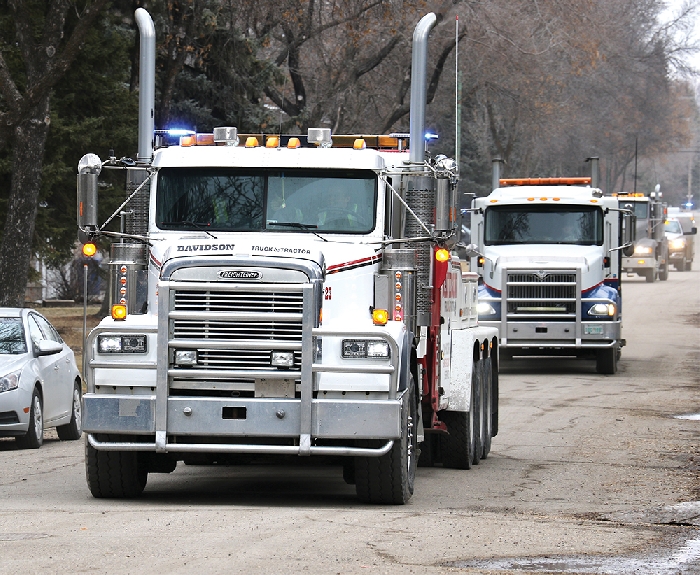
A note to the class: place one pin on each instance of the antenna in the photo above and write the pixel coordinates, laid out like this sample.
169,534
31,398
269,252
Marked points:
457,110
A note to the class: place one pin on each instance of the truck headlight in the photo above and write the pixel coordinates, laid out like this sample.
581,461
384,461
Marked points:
677,244
483,308
10,381
602,309
365,348
121,343
643,250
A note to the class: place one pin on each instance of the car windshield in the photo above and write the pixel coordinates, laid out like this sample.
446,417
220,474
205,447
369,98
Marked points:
250,200
673,226
12,336
517,224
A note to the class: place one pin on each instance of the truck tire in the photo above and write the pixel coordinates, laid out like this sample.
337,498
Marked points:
389,479
606,360
681,265
650,275
459,446
73,429
486,407
663,272
688,265
114,474
34,438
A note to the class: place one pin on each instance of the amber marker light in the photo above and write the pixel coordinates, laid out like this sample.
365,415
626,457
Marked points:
294,143
251,142
380,316
89,250
119,312
359,144
442,255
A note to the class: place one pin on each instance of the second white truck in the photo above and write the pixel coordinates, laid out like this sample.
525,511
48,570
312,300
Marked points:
549,261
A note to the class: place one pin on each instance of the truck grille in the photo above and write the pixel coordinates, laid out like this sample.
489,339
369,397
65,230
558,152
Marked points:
238,329
541,293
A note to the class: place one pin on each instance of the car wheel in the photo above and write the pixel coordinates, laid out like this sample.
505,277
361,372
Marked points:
34,437
689,265
73,429
681,265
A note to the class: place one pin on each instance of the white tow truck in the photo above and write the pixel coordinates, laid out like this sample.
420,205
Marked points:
548,253
285,295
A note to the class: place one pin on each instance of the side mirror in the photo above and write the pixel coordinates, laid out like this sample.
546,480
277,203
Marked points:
628,250
692,231
629,229
472,251
47,347
89,169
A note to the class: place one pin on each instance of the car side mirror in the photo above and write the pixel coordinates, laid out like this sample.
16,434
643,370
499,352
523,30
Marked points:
47,347
692,231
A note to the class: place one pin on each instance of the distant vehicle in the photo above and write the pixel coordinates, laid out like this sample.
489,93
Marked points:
40,386
681,244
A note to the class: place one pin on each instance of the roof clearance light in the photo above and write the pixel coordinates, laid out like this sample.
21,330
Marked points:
119,312
359,144
205,139
251,142
89,250
272,142
294,143
388,142
380,316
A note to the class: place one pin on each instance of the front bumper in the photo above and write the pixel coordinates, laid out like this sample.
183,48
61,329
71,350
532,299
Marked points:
634,263
306,425
558,335
13,419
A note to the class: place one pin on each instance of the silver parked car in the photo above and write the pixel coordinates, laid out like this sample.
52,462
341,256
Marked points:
40,383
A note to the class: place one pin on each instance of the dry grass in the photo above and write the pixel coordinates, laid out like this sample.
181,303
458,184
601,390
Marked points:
68,320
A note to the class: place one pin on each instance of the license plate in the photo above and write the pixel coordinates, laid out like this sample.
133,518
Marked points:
593,329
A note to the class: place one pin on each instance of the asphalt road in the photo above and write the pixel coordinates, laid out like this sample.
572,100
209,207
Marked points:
589,474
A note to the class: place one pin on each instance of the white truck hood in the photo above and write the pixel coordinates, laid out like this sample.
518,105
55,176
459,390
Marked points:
332,254
589,259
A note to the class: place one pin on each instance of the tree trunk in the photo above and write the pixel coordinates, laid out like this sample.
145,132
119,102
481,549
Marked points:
16,248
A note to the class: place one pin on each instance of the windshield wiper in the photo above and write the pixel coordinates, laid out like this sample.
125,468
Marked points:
299,226
202,227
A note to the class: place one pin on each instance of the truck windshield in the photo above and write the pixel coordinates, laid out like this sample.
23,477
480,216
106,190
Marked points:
248,200
580,225
640,209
